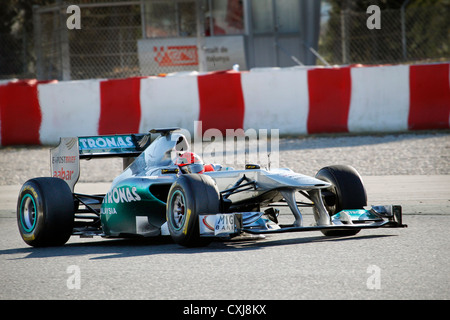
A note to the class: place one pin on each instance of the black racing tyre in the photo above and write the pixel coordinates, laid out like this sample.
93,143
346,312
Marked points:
347,191
189,196
45,212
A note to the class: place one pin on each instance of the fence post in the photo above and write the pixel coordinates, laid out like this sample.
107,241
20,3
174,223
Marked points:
37,42
344,35
200,36
402,16
64,40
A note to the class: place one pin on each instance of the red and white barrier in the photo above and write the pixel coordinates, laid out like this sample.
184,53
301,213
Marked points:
169,102
329,92
120,106
276,99
20,112
429,97
294,100
379,99
69,109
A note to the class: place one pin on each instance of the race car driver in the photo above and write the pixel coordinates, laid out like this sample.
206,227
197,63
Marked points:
189,162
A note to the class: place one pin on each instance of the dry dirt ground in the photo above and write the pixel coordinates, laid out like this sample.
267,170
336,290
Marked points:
422,153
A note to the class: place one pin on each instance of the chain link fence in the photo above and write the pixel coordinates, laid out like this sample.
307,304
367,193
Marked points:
405,36
107,44
16,58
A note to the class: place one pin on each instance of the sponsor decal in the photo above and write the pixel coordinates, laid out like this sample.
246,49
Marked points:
32,191
106,142
217,224
122,195
187,221
172,56
224,224
64,159
66,175
104,210
70,143
208,224
28,236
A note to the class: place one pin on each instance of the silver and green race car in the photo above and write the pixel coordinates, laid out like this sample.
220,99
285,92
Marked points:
153,197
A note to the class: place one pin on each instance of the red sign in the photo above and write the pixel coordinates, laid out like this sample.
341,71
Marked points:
172,56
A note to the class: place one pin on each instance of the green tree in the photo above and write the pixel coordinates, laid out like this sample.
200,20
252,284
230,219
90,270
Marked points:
16,36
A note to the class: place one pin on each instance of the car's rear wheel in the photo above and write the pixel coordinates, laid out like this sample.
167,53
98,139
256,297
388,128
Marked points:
45,212
190,196
347,191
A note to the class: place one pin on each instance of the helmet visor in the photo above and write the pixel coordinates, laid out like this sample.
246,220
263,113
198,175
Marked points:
192,168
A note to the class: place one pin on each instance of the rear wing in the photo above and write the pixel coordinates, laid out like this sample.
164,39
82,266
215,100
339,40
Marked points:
65,158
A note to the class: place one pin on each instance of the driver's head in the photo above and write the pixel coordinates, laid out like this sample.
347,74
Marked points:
189,162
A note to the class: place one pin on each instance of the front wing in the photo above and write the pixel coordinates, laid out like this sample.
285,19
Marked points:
229,224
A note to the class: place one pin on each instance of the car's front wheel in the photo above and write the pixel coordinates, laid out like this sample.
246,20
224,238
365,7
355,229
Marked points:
347,191
190,196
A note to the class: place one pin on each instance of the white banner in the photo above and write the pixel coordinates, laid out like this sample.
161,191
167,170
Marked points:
180,54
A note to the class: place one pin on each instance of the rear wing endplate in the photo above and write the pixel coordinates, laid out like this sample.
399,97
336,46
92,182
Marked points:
65,158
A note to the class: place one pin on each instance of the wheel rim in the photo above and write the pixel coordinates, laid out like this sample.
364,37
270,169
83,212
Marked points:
178,210
28,213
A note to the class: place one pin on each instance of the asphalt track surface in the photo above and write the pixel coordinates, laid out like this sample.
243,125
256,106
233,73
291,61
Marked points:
408,263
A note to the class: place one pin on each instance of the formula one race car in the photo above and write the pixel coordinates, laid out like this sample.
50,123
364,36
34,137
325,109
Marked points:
153,196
